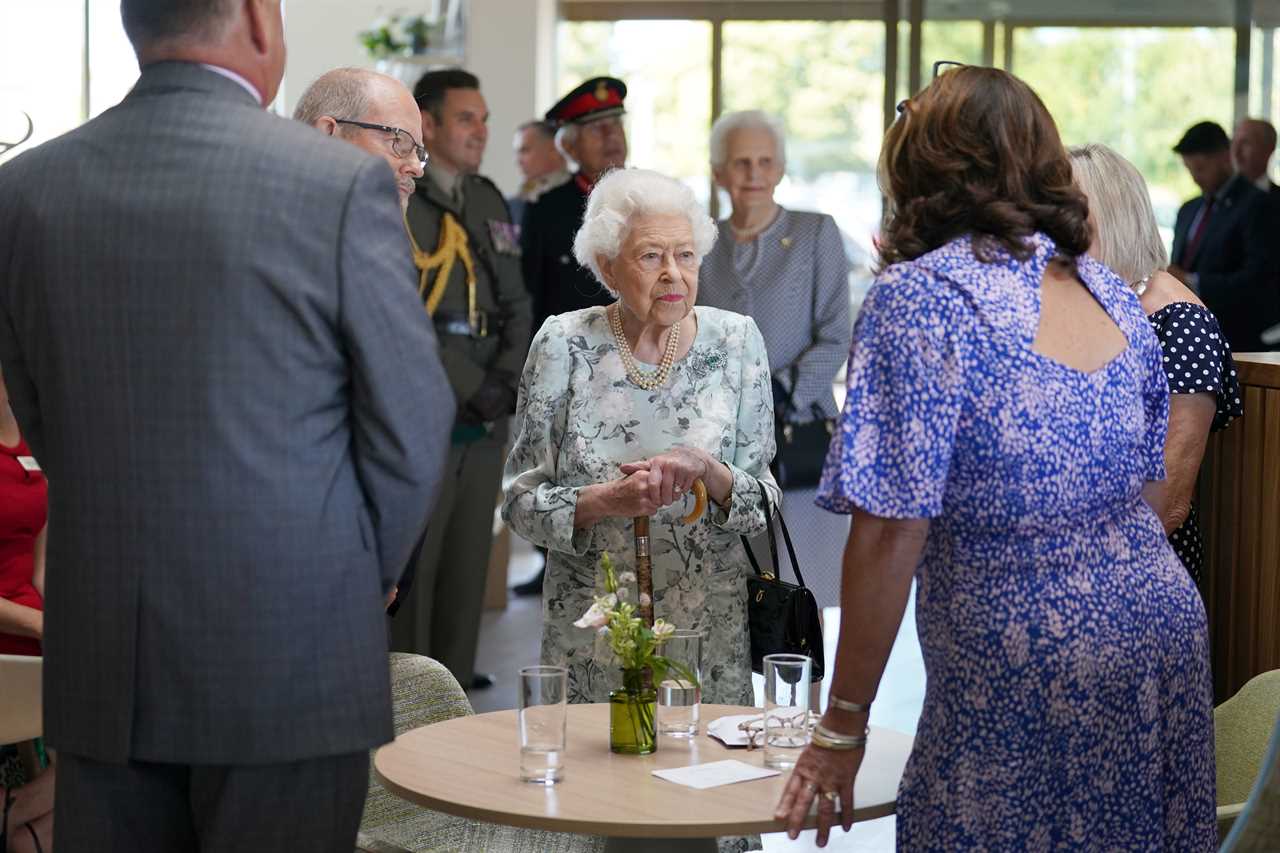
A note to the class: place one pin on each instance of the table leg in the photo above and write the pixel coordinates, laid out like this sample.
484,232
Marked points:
666,845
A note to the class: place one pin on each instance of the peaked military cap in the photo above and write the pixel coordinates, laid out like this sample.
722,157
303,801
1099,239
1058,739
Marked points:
599,97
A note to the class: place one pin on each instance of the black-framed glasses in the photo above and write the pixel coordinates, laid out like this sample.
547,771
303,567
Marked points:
941,63
402,143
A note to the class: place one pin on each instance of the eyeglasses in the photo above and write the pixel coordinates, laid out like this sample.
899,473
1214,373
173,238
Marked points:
937,69
937,66
402,143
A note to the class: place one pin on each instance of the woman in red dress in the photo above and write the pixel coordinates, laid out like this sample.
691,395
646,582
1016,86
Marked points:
26,811
23,510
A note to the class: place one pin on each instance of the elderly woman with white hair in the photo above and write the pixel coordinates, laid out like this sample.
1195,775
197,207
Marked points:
1204,394
787,270
621,409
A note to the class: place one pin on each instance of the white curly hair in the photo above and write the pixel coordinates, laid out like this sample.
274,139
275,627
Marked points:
625,193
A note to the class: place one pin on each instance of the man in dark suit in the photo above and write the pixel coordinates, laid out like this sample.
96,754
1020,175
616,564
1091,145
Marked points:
1224,241
1251,148
211,338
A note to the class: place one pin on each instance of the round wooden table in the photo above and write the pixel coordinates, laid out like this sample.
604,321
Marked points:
470,766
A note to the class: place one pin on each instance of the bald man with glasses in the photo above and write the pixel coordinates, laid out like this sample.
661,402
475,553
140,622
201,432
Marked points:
371,111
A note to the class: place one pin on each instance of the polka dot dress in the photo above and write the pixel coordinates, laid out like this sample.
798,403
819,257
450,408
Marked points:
1197,359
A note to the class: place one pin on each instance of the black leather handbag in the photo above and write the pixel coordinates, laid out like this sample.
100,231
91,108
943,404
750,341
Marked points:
783,617
801,447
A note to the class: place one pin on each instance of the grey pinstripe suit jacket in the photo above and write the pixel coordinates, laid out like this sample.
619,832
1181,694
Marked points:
212,340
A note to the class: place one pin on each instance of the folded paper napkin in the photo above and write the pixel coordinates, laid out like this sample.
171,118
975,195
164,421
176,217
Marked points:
714,774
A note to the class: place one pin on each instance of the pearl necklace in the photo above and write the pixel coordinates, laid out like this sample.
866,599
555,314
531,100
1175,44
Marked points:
647,381
1140,286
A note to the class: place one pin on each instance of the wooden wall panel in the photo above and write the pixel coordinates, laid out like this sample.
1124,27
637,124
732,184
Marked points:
1239,495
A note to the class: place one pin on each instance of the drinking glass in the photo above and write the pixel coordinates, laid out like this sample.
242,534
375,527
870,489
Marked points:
786,709
542,715
679,698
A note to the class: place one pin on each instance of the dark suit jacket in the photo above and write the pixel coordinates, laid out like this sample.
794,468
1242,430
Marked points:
1236,261
212,339
555,281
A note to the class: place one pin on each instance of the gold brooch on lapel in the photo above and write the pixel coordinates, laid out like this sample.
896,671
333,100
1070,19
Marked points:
786,242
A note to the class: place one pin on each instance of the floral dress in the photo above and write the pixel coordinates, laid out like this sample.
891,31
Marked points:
1068,700
579,417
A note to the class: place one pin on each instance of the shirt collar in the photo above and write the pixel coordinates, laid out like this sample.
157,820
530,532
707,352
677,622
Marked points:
446,180
1263,182
235,78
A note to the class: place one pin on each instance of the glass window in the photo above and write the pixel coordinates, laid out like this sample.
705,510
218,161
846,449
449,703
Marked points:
1136,90
668,90
41,57
113,69
958,41
825,80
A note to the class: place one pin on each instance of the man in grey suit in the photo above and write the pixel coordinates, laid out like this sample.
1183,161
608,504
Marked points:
212,341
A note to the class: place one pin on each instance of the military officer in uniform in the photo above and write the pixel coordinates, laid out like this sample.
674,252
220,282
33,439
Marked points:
590,133
467,253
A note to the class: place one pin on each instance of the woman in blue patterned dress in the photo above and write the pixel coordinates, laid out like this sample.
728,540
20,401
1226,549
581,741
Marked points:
1005,417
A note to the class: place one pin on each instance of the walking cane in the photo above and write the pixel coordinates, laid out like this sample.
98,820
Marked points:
644,569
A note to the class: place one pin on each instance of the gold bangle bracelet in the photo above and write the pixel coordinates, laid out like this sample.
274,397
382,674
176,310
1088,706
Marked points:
839,745
845,705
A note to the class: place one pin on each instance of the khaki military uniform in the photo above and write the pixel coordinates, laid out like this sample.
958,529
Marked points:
468,256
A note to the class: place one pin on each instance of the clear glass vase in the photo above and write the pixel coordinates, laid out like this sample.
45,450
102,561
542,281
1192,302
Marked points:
632,729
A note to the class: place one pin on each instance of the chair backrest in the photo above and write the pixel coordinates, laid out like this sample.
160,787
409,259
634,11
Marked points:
1242,726
1257,829
20,712
423,691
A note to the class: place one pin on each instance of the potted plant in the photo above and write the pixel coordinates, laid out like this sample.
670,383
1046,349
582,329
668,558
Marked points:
637,648
398,35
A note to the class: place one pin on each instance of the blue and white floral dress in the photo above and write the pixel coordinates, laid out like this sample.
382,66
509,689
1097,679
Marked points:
578,418
1068,703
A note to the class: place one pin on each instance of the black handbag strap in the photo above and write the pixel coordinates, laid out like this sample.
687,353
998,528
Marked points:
788,400
769,516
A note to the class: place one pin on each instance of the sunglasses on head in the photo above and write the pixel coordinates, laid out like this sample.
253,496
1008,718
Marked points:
937,69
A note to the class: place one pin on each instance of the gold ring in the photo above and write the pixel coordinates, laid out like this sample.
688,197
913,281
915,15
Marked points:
831,795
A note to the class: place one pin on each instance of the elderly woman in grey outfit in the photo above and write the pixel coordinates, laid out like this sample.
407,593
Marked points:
787,270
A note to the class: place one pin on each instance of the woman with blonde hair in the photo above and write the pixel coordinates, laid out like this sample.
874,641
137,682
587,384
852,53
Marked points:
1205,394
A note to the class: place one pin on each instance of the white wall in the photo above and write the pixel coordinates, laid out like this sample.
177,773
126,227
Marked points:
509,47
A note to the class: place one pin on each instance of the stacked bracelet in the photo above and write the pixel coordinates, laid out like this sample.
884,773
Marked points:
845,705
827,739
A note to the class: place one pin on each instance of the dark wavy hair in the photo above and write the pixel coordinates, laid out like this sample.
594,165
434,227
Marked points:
977,153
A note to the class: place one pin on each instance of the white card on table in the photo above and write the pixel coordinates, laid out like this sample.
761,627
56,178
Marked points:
714,774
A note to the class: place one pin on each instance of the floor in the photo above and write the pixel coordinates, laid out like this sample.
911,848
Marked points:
509,641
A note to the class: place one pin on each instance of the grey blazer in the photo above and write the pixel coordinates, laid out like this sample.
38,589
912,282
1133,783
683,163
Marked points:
793,280
212,340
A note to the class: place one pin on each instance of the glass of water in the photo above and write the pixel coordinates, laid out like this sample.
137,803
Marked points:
678,697
786,709
542,716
